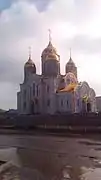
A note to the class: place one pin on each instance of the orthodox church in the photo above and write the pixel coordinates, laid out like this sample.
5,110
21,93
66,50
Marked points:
51,92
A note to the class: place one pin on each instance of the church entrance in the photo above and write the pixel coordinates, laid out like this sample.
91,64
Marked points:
88,107
84,106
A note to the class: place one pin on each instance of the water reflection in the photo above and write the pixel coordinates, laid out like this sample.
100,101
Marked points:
90,173
10,155
50,158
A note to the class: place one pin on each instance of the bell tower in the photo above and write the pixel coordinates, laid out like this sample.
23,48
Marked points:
29,67
71,67
50,60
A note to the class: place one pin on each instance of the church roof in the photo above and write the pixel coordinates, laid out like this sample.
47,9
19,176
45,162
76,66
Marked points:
71,76
68,88
52,56
50,52
70,62
29,63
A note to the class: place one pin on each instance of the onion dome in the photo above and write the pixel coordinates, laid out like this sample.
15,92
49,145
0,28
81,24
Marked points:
29,65
49,49
52,56
70,67
50,60
70,63
50,52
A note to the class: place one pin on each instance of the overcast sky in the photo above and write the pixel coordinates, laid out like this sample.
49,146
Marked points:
75,24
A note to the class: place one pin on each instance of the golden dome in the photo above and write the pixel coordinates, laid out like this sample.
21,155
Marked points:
50,52
30,66
52,56
29,63
49,49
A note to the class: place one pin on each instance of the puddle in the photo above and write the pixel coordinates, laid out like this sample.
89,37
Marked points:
10,155
90,174
43,159
11,172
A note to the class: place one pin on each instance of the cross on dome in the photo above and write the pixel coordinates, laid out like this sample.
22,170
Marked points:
70,53
29,52
50,38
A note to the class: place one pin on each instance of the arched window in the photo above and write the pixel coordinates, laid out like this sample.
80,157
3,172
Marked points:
33,89
78,102
36,101
67,102
37,90
48,102
48,88
24,94
61,102
24,105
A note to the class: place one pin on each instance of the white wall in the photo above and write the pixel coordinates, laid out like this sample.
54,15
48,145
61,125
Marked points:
62,99
48,89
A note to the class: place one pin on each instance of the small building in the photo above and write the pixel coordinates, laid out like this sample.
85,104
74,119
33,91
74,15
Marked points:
98,103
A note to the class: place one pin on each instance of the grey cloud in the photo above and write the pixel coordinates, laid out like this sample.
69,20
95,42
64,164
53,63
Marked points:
41,5
11,71
84,11
84,44
18,27
17,32
8,95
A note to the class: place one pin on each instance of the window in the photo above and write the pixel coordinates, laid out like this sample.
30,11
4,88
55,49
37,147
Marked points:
37,90
36,101
33,89
78,102
30,92
48,102
61,102
67,102
24,94
24,105
48,89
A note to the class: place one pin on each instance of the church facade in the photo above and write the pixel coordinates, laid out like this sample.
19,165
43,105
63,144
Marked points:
51,92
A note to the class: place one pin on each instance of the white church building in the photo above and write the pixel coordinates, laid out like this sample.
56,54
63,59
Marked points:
51,92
